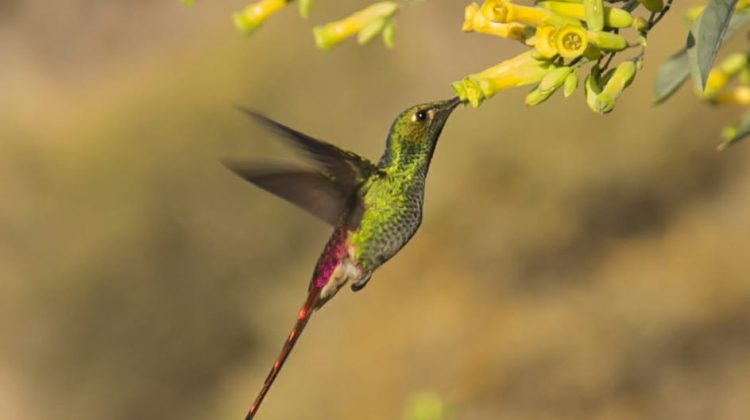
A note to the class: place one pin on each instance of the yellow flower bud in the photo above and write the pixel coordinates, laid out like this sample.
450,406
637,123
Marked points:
549,84
248,20
594,12
554,79
607,41
613,17
593,89
571,41
570,84
535,97
620,79
328,35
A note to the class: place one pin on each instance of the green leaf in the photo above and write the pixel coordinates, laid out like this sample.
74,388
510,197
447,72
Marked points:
705,37
742,131
675,69
671,75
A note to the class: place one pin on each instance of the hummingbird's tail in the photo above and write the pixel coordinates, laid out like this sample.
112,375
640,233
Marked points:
302,317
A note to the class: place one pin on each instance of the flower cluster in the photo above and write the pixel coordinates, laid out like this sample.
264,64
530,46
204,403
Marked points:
562,36
366,24
374,20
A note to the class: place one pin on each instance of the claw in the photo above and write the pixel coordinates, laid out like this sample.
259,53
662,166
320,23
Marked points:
361,283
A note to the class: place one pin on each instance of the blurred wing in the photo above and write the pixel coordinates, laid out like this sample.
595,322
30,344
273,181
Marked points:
344,167
310,191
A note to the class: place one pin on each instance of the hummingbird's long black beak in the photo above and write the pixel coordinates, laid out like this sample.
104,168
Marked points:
446,107
454,103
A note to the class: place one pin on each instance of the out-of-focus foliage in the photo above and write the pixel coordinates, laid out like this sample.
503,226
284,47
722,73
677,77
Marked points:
711,25
568,266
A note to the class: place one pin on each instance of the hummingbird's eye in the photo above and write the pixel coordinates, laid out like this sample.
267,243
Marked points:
419,116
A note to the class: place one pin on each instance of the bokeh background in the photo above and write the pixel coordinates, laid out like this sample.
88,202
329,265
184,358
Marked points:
569,266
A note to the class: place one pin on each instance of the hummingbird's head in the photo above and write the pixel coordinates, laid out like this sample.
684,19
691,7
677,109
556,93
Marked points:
416,131
424,122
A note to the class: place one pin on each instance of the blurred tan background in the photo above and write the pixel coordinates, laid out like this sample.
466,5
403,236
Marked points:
569,266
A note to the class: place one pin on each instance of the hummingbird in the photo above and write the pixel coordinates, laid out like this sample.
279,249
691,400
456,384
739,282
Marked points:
374,209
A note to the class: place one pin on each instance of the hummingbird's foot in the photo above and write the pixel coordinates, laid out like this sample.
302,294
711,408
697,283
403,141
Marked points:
361,283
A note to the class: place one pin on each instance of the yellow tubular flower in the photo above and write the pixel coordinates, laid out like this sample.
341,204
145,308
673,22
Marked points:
248,20
740,95
544,42
503,11
514,30
571,41
332,33
474,21
471,12
520,70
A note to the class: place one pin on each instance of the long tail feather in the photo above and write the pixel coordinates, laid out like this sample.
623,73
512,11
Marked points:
302,317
